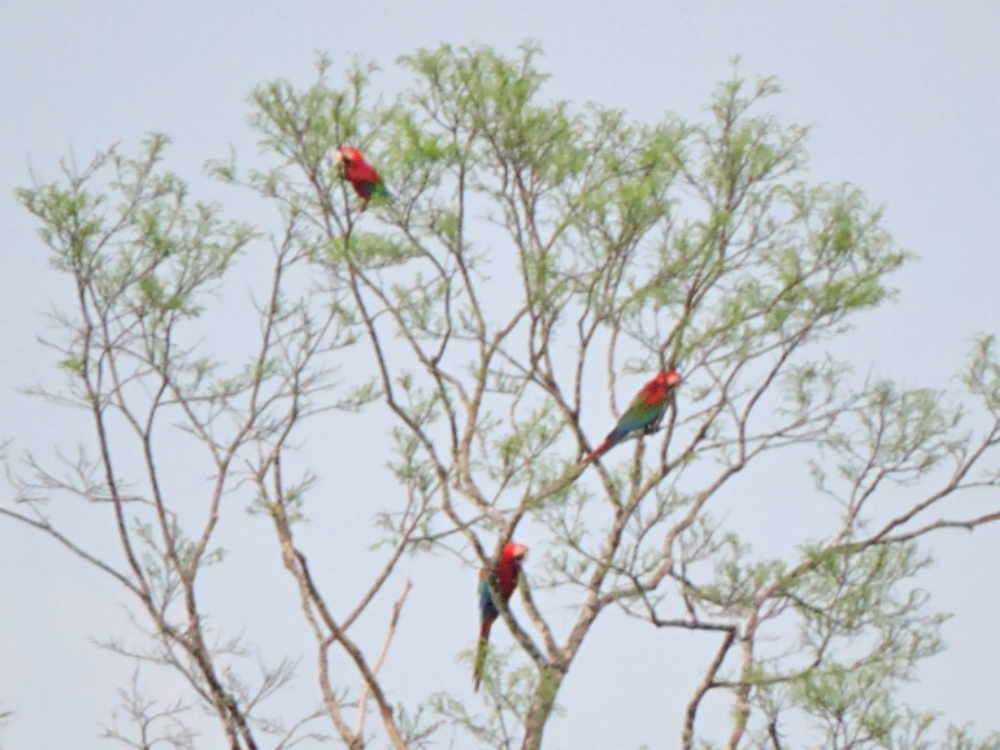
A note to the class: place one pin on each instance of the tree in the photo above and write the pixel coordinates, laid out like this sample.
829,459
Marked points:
532,256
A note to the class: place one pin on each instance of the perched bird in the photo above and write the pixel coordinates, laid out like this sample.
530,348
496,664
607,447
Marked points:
362,175
504,581
644,413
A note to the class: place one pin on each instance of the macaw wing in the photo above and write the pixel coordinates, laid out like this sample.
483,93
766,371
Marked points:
638,417
653,426
487,607
363,172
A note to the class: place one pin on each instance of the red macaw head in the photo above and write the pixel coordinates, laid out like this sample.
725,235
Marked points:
668,379
515,552
349,155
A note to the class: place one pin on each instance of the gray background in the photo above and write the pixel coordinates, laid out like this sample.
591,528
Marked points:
904,99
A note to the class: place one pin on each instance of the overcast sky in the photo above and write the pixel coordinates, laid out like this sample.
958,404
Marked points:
903,98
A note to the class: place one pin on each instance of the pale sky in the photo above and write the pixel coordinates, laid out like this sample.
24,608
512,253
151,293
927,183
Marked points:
905,103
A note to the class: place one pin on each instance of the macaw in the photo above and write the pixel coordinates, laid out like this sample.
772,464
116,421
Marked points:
504,581
362,175
644,413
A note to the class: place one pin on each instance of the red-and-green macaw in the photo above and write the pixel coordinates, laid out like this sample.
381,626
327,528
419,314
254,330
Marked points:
362,175
504,582
644,413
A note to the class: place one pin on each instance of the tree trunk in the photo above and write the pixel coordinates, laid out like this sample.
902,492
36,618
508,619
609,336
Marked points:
541,707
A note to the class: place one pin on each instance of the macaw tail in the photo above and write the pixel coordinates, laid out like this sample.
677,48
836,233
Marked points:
481,648
374,190
599,450
368,190
477,670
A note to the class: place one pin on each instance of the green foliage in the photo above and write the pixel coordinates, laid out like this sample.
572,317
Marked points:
509,689
139,247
